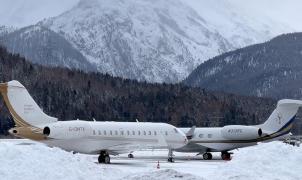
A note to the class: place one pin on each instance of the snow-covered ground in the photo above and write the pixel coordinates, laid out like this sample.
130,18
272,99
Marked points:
21,159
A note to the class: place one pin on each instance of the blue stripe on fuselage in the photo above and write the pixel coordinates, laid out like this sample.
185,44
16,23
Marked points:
287,124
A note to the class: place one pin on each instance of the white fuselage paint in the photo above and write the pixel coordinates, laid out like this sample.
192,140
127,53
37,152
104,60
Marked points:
114,137
212,140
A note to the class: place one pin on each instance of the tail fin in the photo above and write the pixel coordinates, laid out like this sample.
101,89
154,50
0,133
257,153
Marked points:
21,105
282,118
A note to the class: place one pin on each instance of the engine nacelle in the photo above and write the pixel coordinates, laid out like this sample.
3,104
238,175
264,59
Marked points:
237,132
67,130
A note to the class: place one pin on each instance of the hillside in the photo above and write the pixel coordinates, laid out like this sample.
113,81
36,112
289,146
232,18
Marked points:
272,69
43,46
70,94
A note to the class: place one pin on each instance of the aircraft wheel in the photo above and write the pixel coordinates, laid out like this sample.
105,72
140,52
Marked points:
171,159
104,157
207,156
130,155
101,159
107,159
226,156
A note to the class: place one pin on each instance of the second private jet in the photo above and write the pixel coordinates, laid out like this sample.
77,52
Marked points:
224,139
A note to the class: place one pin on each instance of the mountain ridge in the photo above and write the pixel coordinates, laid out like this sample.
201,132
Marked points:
43,46
270,69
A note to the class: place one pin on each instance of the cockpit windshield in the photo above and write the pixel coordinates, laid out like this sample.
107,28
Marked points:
176,131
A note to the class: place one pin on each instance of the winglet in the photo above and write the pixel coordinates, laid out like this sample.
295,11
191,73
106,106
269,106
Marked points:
190,133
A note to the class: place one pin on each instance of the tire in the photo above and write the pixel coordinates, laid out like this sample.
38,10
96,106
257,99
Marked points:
101,159
107,159
130,156
171,160
226,156
207,156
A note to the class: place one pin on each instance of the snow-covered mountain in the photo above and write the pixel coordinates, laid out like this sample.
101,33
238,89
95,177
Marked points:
43,46
244,23
4,30
152,40
156,40
271,69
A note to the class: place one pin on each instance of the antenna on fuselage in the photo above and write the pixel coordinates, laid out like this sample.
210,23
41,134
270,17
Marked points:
93,119
136,120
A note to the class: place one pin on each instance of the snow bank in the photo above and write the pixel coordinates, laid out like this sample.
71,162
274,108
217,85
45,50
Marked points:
163,174
35,162
274,160
40,162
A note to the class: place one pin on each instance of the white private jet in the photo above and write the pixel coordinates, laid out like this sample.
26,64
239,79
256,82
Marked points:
224,139
101,138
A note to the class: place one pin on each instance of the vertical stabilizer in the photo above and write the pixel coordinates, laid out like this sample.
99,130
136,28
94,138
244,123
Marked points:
21,105
282,118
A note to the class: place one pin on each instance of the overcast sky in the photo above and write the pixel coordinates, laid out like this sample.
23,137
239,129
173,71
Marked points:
286,11
21,13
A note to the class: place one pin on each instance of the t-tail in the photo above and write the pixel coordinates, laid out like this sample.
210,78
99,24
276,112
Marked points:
281,120
22,107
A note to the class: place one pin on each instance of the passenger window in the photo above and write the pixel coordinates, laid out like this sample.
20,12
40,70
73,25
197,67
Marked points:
201,135
166,133
144,133
100,132
104,132
149,133
110,132
116,133
128,133
155,133
133,133
139,133
122,133
93,132
210,135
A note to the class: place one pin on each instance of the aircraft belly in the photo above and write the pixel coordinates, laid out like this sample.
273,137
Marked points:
93,145
225,146
192,147
212,147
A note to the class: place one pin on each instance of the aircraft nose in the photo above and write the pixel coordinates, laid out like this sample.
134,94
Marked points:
183,141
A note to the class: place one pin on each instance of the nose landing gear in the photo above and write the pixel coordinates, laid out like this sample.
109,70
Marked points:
130,156
170,156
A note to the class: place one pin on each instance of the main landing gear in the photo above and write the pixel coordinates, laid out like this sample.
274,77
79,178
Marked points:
104,157
226,156
207,156
170,156
130,156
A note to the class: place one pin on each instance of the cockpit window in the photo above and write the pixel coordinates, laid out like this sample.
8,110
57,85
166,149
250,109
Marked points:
175,130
